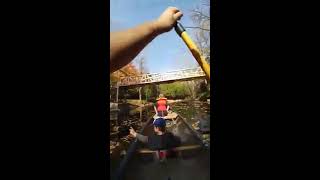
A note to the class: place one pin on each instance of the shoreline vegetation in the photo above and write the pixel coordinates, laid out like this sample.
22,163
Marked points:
193,90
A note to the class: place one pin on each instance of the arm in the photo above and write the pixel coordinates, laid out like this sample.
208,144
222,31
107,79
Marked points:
155,109
167,104
126,45
140,137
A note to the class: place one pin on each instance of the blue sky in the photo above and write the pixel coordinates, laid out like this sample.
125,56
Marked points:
167,52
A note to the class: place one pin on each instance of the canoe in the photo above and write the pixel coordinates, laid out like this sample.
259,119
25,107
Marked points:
180,148
141,162
171,116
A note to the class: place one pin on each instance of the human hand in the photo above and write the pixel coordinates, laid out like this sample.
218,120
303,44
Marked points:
167,19
132,132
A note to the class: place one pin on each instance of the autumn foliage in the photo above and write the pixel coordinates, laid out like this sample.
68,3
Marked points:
128,70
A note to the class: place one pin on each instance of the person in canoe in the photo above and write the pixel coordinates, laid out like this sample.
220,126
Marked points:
161,106
161,139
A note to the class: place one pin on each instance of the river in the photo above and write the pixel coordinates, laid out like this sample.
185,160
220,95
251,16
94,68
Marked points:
194,165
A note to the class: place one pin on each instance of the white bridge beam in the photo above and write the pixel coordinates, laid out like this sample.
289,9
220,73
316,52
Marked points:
164,77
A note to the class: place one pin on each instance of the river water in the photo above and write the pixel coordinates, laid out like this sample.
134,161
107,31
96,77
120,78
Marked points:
191,165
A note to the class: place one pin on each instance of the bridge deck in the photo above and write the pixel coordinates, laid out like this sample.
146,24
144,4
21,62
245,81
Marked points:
178,75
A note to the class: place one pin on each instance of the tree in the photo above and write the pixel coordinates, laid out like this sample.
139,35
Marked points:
176,90
128,70
141,64
201,18
150,92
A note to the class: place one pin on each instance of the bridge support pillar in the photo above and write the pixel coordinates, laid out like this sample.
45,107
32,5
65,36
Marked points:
140,95
117,98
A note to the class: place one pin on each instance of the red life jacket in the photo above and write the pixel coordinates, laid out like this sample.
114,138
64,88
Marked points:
162,104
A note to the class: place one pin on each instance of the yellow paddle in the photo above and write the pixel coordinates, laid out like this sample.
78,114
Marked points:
193,48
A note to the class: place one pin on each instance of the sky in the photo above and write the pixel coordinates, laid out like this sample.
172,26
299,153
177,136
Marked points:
166,52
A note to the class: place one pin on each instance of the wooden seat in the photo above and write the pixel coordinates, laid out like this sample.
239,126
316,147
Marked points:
180,148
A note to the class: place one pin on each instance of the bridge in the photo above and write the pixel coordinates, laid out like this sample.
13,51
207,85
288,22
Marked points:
157,78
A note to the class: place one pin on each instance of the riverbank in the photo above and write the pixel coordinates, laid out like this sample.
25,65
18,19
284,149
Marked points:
136,102
140,106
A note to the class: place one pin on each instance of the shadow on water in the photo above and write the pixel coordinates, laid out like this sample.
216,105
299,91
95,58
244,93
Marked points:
193,164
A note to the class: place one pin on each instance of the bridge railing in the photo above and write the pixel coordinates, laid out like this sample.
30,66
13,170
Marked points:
160,77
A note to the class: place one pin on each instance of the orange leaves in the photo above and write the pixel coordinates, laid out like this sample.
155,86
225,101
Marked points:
128,70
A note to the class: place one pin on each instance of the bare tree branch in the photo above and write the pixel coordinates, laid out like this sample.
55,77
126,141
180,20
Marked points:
201,14
198,28
201,19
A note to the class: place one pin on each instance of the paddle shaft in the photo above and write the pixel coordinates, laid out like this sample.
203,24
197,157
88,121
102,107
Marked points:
193,48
